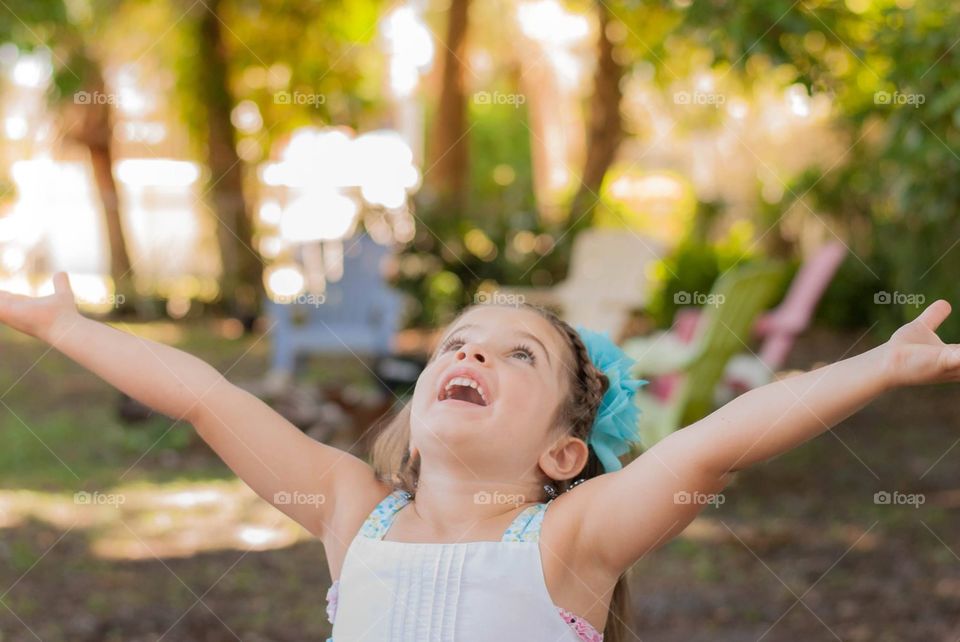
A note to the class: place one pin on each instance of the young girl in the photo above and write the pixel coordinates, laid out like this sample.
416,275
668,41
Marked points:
496,507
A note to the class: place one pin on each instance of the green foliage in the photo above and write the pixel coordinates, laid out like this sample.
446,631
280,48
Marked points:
849,299
890,67
442,269
783,32
157,436
442,275
500,140
320,49
71,31
903,111
693,267
27,21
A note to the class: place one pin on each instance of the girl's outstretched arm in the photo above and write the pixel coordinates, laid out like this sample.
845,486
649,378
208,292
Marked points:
300,476
654,497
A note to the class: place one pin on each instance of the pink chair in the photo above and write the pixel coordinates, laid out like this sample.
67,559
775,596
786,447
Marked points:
778,328
782,325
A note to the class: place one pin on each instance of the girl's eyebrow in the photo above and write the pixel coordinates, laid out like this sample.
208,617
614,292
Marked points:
521,333
542,347
456,330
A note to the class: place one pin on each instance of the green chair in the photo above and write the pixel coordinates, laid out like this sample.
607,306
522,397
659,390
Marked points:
723,330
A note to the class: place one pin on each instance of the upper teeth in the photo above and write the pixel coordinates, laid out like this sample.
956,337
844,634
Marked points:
465,381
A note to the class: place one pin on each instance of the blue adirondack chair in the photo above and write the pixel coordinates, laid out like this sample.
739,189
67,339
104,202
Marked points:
359,315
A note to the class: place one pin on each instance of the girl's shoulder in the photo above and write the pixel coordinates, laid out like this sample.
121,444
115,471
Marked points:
563,528
361,502
356,500
347,518
564,517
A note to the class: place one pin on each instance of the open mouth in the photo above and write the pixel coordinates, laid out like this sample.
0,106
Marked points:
463,389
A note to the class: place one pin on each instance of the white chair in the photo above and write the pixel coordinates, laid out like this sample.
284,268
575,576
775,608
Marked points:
608,277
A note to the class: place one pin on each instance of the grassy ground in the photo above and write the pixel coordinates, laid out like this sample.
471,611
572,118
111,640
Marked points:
170,545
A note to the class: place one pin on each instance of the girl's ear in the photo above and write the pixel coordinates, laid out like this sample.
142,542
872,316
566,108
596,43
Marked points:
566,458
409,455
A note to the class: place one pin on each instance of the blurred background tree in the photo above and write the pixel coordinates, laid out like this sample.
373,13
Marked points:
73,32
317,48
533,129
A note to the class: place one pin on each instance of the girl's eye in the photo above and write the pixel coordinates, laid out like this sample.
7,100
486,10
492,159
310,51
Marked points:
526,352
522,350
450,343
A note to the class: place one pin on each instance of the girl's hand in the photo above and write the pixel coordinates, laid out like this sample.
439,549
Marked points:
38,316
916,355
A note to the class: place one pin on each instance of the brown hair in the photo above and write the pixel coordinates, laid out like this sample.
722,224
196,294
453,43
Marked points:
391,450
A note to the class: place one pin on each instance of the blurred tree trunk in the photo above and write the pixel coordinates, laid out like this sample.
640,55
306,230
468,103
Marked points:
605,128
95,132
242,266
449,164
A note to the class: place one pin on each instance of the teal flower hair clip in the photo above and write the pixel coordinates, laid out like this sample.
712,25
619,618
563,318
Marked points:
615,428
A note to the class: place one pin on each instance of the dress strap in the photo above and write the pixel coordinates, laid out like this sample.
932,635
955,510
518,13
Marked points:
382,516
526,526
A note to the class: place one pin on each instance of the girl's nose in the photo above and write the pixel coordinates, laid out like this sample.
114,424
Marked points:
468,351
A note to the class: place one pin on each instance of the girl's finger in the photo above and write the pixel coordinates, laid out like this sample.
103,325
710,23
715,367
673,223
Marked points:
935,314
61,283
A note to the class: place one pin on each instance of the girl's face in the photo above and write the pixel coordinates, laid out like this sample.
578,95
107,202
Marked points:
486,399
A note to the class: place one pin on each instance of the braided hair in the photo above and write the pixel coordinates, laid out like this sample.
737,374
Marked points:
577,414
587,385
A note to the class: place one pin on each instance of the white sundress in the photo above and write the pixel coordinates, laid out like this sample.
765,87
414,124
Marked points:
488,591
